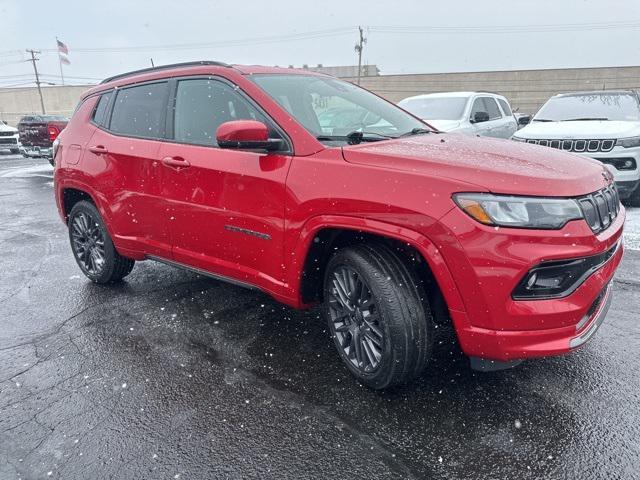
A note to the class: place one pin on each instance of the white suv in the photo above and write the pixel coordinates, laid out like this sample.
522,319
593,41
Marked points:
473,113
9,138
604,125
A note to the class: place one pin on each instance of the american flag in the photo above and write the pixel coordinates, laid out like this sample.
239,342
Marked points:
63,52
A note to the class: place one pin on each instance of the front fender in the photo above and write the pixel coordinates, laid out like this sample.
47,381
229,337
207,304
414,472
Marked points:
420,242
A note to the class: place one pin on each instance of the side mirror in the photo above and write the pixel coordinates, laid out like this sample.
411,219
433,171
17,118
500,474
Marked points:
246,135
524,119
480,117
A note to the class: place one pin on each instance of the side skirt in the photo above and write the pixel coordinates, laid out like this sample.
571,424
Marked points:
204,273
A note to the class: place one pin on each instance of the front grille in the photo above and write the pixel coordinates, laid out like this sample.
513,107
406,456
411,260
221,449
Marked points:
601,208
8,141
593,145
7,134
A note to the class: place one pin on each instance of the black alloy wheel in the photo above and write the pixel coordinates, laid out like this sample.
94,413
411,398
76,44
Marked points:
356,320
378,314
88,243
92,246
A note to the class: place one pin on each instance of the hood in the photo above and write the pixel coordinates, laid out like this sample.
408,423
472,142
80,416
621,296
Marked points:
7,128
596,129
444,125
499,166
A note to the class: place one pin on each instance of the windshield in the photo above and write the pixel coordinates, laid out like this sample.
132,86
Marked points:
331,109
590,106
436,108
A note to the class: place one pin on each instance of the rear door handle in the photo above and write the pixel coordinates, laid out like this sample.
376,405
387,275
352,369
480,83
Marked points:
175,162
98,150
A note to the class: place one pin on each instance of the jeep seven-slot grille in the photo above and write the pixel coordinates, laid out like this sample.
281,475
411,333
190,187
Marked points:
601,208
592,145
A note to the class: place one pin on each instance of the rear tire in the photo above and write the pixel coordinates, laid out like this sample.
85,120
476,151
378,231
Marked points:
92,246
378,315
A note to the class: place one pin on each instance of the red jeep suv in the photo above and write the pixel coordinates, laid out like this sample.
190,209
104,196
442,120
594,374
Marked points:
235,173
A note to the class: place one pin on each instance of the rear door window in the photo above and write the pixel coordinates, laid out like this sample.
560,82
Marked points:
139,111
505,107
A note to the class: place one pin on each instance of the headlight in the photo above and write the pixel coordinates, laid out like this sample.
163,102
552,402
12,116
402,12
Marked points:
628,142
518,139
519,212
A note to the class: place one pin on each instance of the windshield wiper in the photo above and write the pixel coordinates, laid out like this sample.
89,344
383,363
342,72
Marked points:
542,120
355,137
417,131
584,119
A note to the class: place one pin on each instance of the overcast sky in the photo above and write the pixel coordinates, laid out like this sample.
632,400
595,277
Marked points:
410,36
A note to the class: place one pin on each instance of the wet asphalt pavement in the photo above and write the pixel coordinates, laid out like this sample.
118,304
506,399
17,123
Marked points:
172,375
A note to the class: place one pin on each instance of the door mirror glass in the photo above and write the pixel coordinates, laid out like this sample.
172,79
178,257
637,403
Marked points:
246,135
480,117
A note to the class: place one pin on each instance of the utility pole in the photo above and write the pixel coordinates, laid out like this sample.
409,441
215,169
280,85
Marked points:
35,69
359,47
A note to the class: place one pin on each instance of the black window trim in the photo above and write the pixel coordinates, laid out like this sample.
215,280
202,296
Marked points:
166,120
170,113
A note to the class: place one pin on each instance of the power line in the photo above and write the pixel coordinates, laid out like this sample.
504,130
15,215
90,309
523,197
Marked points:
501,29
225,43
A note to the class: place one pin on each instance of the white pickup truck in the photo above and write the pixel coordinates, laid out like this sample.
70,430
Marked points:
9,138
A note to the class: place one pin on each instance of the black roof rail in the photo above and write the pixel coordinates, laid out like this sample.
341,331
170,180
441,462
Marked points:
164,67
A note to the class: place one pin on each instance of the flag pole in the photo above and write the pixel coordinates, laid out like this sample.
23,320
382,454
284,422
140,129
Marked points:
60,61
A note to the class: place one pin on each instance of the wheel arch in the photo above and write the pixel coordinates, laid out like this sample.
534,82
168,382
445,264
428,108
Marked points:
70,196
321,236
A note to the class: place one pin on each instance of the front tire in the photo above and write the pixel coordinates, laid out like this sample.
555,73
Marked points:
92,246
378,315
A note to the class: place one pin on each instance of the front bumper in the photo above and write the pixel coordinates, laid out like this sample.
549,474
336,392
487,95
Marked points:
32,151
488,263
626,180
9,143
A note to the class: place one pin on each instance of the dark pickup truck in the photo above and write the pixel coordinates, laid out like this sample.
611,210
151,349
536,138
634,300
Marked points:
38,132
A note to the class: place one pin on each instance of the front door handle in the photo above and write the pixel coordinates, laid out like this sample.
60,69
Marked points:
98,150
175,162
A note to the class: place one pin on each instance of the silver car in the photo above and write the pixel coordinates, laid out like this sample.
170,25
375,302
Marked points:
472,113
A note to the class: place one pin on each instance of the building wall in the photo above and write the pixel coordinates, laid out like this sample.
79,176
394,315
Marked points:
59,100
526,89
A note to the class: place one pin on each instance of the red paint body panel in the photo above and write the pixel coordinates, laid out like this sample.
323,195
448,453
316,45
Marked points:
253,216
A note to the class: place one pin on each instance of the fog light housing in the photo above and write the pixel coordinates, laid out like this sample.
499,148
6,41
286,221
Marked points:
557,279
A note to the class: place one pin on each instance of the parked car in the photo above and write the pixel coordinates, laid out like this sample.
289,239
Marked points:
603,125
38,132
394,228
9,138
471,113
